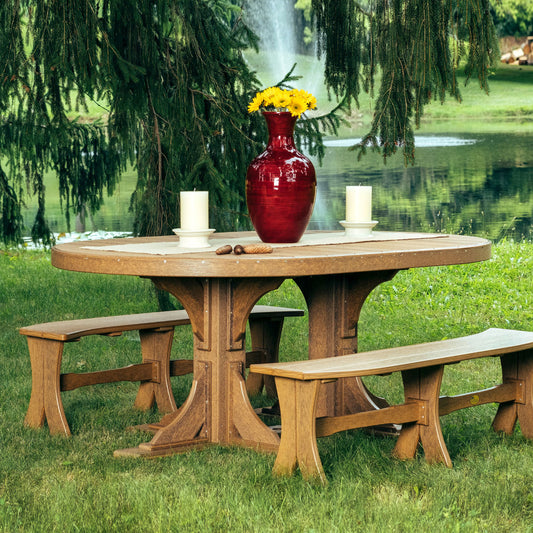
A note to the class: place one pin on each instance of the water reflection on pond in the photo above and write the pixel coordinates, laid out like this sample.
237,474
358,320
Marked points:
477,184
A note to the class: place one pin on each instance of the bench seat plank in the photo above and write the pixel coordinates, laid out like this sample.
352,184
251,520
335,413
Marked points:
68,330
491,342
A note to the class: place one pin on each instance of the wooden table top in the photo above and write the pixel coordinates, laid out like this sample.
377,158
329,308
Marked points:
287,262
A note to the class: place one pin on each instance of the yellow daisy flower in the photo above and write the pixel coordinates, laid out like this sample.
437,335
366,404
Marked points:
281,99
255,104
269,95
296,101
297,107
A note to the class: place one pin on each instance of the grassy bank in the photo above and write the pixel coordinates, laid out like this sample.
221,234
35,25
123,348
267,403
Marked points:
507,107
509,97
56,484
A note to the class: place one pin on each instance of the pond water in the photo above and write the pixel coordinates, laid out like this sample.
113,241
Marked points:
471,183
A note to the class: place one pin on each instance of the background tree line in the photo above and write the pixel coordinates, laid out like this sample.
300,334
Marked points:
513,17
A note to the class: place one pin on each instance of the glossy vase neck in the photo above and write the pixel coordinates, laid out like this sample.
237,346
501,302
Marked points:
280,129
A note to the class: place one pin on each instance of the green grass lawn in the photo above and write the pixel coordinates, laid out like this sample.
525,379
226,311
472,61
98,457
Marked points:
57,484
509,97
507,107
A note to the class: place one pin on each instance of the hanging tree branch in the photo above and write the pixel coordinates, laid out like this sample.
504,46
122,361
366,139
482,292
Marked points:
411,48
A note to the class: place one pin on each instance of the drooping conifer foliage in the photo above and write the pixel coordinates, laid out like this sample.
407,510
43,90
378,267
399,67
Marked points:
174,87
408,52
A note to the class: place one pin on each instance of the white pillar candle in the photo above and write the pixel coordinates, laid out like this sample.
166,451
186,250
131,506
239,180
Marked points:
194,210
358,203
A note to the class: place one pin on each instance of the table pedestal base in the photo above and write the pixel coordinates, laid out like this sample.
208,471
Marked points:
334,305
217,409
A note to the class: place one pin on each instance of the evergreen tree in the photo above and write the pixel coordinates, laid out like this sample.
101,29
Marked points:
172,78
410,49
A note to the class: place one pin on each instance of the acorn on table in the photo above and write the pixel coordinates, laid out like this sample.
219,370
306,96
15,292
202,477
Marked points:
226,249
239,249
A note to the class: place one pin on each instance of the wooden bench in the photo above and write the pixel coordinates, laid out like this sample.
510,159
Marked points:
422,368
46,342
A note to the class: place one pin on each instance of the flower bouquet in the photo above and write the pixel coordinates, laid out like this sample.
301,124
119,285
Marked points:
295,101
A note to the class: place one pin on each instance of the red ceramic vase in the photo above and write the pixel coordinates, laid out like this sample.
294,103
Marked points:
280,184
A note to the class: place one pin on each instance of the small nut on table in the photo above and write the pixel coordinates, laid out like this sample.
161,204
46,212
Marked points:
257,249
226,249
238,249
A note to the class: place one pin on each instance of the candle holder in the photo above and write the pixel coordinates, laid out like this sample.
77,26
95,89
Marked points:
198,238
358,229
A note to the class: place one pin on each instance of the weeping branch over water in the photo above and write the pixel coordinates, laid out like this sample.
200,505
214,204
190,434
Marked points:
174,86
406,51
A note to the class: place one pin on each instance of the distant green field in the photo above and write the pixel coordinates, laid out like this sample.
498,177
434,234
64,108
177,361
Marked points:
510,97
508,106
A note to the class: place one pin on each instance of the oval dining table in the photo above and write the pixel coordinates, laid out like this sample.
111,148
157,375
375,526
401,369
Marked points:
335,275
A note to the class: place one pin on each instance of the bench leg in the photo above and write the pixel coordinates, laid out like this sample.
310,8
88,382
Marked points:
45,400
525,410
423,384
517,367
265,334
298,446
156,346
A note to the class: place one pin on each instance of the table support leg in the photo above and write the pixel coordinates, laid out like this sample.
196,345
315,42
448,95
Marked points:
334,305
217,409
